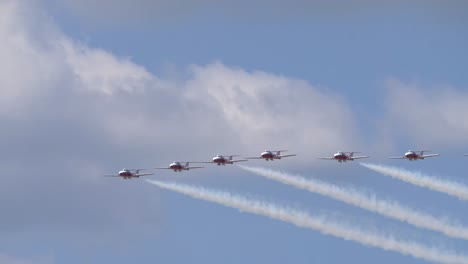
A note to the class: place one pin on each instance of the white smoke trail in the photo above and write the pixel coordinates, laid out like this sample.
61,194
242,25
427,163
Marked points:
316,223
389,209
436,184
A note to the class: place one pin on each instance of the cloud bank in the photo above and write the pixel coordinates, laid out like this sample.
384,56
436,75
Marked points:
433,115
68,108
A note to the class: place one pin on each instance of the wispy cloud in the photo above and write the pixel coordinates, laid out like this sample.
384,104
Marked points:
425,114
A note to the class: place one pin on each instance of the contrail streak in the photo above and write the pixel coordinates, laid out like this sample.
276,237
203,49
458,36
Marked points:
436,184
317,223
356,198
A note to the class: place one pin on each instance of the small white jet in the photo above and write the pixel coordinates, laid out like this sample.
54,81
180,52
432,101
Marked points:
416,155
341,156
178,166
128,174
272,155
223,160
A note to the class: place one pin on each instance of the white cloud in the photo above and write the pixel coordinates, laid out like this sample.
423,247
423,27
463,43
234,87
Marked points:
434,115
102,71
51,87
29,62
267,110
70,112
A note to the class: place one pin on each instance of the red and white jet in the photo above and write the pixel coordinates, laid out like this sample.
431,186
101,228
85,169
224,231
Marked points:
128,174
223,160
272,155
341,156
416,155
178,166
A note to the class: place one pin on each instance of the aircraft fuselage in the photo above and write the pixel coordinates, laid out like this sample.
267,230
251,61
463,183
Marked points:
341,157
177,166
268,155
412,156
126,174
221,160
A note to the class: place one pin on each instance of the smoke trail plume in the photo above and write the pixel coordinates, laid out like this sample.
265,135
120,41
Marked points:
389,209
436,184
316,223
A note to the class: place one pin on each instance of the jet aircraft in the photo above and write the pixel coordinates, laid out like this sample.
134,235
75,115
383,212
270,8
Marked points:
223,160
128,174
178,166
416,155
341,156
272,155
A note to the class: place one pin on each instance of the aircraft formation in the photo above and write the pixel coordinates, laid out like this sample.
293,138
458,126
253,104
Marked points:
268,155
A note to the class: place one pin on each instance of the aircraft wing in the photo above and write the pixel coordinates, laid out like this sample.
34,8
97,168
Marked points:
163,168
111,175
254,158
284,156
195,167
144,174
326,158
359,157
238,160
403,157
430,155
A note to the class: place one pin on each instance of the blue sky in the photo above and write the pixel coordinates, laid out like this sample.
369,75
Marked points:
91,88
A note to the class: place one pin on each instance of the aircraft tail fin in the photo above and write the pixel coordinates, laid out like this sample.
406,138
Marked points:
278,152
422,151
351,154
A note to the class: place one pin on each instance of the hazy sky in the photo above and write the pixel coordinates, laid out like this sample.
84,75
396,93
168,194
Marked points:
87,89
